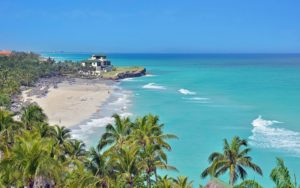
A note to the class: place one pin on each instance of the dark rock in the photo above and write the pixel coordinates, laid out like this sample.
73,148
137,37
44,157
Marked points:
130,74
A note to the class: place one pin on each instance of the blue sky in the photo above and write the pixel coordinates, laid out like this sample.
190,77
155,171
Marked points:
188,26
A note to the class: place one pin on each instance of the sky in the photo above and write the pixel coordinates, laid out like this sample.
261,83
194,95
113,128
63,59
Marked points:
151,26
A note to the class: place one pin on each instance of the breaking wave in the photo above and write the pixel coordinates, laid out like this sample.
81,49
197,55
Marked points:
91,130
127,80
266,135
150,75
186,92
153,86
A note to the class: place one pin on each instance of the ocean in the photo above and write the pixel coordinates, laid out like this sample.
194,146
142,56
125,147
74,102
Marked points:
204,98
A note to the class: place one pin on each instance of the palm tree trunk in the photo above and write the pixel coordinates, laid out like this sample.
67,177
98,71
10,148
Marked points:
148,180
155,174
231,181
1,154
131,182
30,183
232,171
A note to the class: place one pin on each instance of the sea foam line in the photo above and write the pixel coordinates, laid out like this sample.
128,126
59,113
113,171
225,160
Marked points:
265,135
153,86
200,100
150,75
93,128
186,92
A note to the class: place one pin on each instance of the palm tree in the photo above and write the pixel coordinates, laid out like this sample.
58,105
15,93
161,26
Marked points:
31,115
101,171
77,150
182,182
234,159
249,184
148,131
164,182
31,158
148,134
63,142
281,176
8,128
116,134
75,176
62,134
152,158
126,164
6,119
46,130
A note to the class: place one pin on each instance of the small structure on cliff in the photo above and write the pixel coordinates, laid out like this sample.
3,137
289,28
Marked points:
98,66
99,63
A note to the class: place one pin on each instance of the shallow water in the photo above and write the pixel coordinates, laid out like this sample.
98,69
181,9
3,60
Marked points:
206,98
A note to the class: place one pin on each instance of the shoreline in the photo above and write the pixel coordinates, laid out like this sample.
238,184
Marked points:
69,101
92,128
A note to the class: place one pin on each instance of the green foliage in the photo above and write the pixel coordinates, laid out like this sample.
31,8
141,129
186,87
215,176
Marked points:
30,158
24,69
280,175
249,184
233,159
35,154
182,182
32,115
4,100
129,153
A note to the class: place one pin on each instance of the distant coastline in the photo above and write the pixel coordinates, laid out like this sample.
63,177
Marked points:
67,96
70,100
94,66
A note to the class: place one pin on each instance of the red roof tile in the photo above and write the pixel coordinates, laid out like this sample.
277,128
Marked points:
5,52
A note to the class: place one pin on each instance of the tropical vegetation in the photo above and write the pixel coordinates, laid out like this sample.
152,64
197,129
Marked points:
24,69
129,154
233,159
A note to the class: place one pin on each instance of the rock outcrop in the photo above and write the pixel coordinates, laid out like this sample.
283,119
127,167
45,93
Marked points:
127,74
130,74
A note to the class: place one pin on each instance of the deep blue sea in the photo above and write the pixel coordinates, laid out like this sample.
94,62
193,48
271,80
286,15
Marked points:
204,98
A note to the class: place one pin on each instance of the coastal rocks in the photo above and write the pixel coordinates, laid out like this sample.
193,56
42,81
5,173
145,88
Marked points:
129,74
41,87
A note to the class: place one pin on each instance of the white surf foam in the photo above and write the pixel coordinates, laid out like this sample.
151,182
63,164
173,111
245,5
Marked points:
122,99
84,131
259,122
266,135
202,100
91,130
127,80
153,86
199,98
186,92
150,75
136,79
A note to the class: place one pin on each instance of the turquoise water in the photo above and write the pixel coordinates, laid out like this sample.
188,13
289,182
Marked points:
206,98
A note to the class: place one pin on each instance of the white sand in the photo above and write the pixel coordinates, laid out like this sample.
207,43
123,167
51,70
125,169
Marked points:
70,104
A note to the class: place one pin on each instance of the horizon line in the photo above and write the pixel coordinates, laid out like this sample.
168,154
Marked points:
191,53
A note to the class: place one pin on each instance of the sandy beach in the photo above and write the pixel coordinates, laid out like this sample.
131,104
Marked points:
69,103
